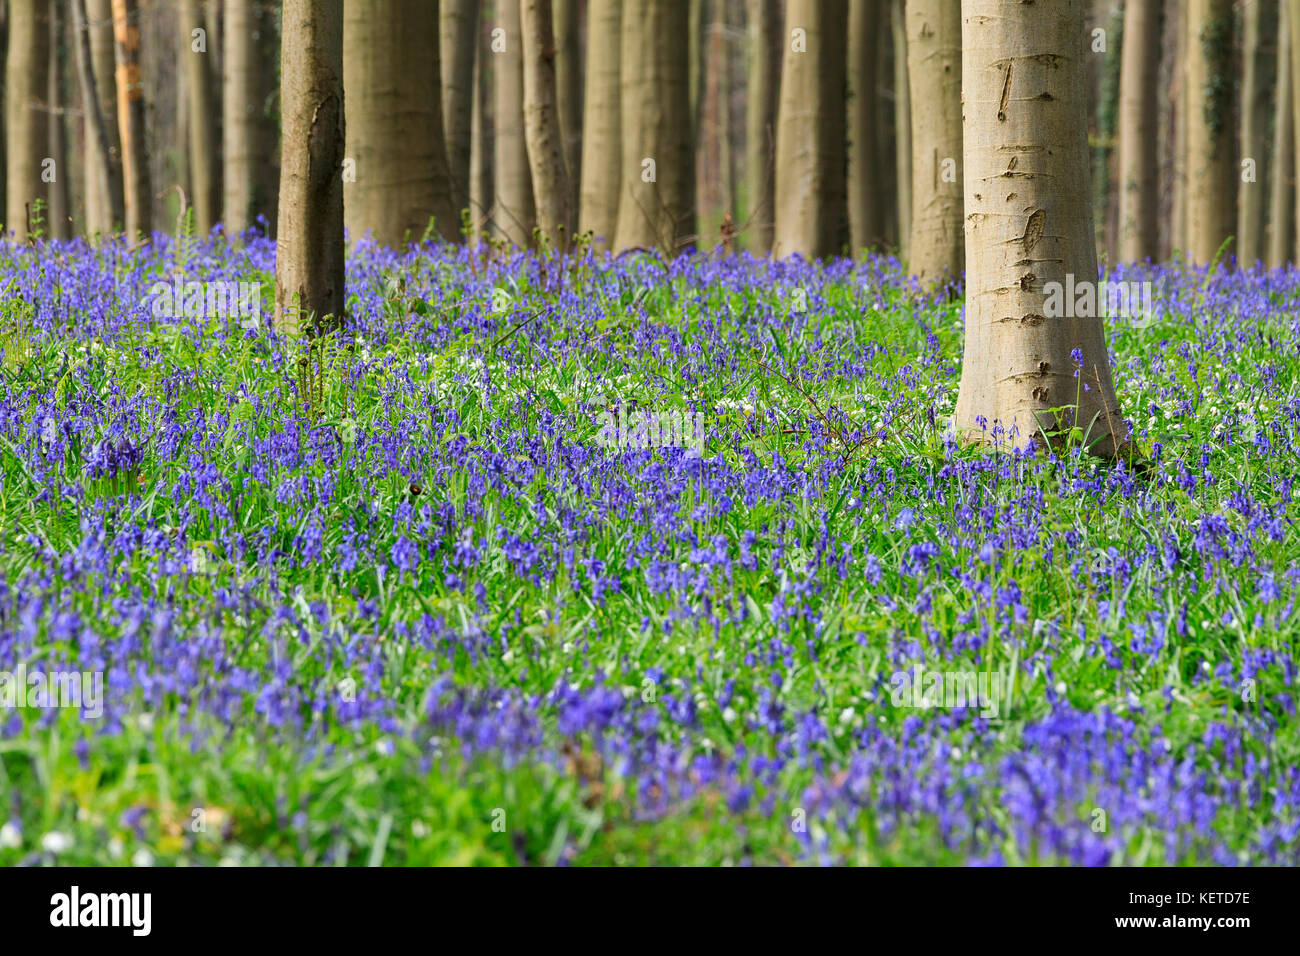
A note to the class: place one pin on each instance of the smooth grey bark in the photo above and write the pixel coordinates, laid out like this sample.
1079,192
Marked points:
1028,208
601,167
309,247
936,251
1139,195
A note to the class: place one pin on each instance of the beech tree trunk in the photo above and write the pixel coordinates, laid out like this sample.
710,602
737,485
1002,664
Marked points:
1212,166
95,76
394,128
1181,104
601,170
936,252
309,248
657,196
568,90
1029,222
481,137
1293,22
866,196
515,214
58,216
137,197
713,185
202,136
764,90
459,37
1281,219
544,139
1139,195
1254,132
242,144
902,126
27,129
810,187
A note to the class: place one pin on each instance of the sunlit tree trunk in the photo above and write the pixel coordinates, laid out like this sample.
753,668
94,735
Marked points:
713,184
242,144
810,175
27,130
1293,22
1028,223
1178,212
1255,95
394,129
568,90
764,90
936,251
902,126
866,193
309,249
1139,196
514,213
102,174
136,194
481,131
601,169
1211,160
194,44
103,169
459,40
544,139
59,224
1281,220
657,182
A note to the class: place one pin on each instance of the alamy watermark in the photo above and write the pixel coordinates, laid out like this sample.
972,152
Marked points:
651,428
83,690
1104,299
206,300
924,690
131,911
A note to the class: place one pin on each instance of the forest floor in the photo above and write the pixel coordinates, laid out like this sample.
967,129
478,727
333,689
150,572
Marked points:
417,593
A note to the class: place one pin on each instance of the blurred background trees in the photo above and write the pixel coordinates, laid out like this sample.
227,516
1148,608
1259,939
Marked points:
790,126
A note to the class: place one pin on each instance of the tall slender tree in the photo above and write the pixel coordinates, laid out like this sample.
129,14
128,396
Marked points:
204,157
568,89
936,251
810,174
1180,103
394,130
601,132
764,90
544,138
866,193
482,142
1281,220
309,249
27,130
1029,223
136,194
714,189
1211,160
1139,195
902,125
514,212
59,215
102,173
657,196
103,167
1293,22
242,137
1255,96
459,36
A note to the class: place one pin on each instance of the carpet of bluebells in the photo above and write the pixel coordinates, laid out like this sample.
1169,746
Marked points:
384,595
